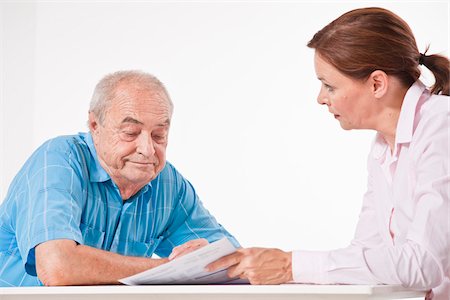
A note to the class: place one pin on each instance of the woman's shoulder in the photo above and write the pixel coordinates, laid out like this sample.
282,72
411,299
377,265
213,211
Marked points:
433,122
436,105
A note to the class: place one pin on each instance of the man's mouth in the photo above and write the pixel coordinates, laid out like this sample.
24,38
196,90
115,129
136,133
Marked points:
141,163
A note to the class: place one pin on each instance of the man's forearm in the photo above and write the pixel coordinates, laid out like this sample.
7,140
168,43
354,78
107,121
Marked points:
62,262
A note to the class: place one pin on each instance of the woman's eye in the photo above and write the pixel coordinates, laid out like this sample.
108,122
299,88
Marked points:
329,88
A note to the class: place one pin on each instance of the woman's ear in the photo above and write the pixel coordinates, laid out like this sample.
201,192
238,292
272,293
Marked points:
379,81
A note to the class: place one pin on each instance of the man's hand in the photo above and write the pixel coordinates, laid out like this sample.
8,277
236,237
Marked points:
187,247
258,265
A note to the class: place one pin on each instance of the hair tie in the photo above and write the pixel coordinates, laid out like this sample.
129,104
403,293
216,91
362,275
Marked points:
421,58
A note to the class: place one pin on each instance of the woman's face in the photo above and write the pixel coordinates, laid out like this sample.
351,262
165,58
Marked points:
349,100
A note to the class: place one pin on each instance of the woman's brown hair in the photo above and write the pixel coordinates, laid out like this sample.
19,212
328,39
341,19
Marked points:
368,39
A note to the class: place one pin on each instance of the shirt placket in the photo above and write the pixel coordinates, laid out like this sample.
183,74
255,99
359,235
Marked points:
389,167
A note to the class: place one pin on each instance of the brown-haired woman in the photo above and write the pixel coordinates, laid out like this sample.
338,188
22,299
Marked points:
368,63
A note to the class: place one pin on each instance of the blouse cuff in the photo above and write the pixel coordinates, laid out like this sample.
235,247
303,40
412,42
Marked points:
309,266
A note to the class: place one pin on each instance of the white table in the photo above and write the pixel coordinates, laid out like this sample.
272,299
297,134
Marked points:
214,292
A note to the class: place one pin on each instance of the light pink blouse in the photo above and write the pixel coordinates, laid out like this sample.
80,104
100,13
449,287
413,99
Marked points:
403,232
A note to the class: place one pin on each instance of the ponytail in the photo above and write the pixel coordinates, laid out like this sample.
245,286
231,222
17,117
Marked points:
439,65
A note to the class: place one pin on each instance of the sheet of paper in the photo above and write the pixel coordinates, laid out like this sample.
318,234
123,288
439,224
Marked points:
188,269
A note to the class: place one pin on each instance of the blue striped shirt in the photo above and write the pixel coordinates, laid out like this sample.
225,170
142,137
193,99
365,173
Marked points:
62,192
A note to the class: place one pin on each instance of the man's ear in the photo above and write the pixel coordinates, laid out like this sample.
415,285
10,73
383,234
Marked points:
379,81
93,123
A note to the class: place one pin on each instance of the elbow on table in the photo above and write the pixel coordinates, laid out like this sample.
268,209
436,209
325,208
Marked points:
423,283
421,274
55,261
53,275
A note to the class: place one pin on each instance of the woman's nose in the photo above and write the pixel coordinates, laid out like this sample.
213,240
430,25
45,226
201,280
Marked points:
322,98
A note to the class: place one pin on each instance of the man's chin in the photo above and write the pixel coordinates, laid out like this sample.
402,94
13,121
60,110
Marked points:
136,175
141,172
140,180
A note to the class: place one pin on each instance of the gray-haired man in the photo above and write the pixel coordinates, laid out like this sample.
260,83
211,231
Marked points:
92,208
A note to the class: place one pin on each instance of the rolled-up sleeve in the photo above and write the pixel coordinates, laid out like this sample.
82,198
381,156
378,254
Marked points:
53,207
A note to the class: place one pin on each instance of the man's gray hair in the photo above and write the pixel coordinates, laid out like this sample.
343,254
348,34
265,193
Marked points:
105,90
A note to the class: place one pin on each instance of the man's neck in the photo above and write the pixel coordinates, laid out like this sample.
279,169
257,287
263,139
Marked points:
128,191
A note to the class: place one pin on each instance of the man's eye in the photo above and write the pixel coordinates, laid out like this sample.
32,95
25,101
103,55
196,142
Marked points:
159,138
131,133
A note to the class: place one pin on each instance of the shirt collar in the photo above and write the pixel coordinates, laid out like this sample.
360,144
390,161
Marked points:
379,147
405,124
96,171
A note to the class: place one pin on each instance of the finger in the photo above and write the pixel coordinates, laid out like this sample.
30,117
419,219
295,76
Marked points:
202,242
181,248
187,248
233,272
185,251
176,251
196,242
224,262
174,254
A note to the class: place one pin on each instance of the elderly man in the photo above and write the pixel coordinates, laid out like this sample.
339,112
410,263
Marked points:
93,208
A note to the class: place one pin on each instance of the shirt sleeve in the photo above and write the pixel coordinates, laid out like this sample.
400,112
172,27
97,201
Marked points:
422,260
53,204
190,220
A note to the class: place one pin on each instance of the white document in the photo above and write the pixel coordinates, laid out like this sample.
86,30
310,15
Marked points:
188,269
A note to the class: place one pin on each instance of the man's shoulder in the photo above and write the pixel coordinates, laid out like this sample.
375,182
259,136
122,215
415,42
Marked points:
61,155
67,147
64,143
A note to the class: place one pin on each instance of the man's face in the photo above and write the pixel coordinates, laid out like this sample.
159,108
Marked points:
131,142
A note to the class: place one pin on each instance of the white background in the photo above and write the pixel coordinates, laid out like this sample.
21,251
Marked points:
272,165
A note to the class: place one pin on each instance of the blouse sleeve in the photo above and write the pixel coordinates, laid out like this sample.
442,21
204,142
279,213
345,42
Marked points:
422,260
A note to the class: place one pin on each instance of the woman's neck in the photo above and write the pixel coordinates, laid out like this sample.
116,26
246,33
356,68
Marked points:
390,113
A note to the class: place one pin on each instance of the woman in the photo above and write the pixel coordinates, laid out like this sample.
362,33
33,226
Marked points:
368,63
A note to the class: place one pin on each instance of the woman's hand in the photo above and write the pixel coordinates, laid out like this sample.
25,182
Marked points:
258,265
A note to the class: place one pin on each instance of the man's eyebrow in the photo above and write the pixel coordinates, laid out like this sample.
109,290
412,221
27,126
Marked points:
131,120
165,123
134,121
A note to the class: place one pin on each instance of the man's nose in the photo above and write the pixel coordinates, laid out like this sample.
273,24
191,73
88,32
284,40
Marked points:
145,145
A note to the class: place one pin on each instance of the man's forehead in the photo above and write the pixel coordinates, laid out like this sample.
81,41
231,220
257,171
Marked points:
140,98
146,107
136,90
